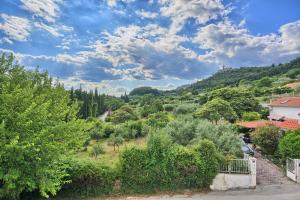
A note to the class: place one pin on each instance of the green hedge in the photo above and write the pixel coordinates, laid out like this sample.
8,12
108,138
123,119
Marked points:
165,166
89,178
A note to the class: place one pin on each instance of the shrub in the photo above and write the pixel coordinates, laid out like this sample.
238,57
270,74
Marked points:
166,166
169,107
267,137
182,130
289,145
89,179
185,109
251,116
187,130
159,120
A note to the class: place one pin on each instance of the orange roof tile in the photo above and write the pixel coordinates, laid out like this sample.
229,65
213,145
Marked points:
293,85
289,124
286,101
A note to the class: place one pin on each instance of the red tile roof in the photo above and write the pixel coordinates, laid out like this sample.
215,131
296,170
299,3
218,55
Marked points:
286,102
290,124
293,85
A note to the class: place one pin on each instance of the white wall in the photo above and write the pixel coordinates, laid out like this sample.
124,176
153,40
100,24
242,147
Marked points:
289,112
227,181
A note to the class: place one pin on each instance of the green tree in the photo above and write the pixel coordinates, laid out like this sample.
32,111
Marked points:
267,137
240,100
115,140
215,110
289,145
251,116
97,149
38,128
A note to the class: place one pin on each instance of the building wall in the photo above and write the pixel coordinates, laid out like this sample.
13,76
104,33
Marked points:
289,112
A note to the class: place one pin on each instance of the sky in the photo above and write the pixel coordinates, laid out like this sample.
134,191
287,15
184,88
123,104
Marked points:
117,45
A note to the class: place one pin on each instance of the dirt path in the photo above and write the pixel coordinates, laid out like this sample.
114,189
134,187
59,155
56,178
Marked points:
267,173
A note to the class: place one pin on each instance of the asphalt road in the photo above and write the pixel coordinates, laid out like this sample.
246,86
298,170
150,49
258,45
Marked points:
270,192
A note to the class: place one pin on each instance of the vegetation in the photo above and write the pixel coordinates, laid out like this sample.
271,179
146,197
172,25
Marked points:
289,145
52,140
38,130
267,137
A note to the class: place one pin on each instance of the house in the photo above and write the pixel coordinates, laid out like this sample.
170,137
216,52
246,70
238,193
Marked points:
284,113
285,107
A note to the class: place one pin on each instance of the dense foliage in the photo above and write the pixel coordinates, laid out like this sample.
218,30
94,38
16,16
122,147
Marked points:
267,137
165,166
232,77
215,110
289,145
93,104
38,128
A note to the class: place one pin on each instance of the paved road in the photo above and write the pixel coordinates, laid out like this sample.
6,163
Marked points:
270,192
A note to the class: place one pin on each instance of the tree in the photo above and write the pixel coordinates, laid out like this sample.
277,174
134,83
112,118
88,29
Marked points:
38,128
251,116
115,141
267,137
264,82
215,110
240,100
97,149
289,145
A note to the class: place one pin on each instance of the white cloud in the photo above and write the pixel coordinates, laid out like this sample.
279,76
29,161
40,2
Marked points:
55,30
235,46
16,28
144,14
111,3
201,10
49,29
46,9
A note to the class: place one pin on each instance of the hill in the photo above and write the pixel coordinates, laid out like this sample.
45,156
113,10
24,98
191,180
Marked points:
232,77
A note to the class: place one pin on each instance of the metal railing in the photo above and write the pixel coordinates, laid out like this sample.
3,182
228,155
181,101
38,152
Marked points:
235,166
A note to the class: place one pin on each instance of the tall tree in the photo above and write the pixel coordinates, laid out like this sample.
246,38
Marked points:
38,128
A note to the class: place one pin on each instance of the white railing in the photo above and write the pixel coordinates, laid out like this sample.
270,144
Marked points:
237,166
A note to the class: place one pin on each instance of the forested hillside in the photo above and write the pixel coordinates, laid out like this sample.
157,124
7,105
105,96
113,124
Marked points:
232,77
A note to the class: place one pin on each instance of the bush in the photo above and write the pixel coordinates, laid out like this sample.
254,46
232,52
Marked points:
251,116
187,130
125,113
169,107
185,109
89,179
166,166
159,120
267,137
182,130
289,145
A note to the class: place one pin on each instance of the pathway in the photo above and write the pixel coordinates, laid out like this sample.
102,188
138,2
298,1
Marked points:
267,173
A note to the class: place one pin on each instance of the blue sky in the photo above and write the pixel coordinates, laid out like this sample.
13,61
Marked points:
117,45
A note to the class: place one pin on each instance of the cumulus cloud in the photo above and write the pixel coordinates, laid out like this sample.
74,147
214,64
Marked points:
145,14
46,9
233,45
16,28
201,10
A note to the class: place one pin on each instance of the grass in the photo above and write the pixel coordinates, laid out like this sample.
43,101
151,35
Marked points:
110,156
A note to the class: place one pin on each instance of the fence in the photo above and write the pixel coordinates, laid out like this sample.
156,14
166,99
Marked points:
290,165
236,166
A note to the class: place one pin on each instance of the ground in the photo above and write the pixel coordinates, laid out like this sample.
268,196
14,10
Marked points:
272,192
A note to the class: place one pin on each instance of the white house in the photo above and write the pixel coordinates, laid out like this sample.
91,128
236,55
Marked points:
285,107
